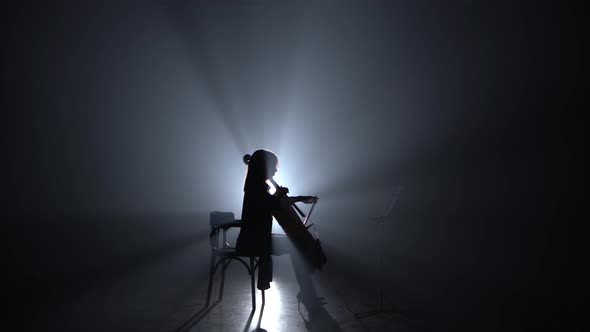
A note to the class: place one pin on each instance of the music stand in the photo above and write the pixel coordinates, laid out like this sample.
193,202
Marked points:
379,221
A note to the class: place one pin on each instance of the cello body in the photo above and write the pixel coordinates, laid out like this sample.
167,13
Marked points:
309,247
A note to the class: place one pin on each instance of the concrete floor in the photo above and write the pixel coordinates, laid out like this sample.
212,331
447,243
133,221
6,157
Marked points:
95,285
281,311
170,296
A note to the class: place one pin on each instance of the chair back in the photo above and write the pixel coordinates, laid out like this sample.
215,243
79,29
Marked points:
222,253
217,218
221,222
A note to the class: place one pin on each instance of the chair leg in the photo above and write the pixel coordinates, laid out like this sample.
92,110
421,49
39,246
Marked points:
252,283
210,280
223,268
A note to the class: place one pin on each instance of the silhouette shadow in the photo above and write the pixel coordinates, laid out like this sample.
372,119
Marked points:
320,320
249,321
198,316
258,328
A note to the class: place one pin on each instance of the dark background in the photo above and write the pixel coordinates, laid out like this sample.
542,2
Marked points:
125,124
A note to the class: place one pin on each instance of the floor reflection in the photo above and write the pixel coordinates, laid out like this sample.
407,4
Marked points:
270,312
280,310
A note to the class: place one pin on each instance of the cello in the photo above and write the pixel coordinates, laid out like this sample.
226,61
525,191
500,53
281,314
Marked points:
296,230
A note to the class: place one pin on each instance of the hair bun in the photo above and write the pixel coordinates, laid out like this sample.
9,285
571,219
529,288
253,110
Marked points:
246,159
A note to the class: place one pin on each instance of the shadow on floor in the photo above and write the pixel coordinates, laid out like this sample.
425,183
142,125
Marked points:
186,326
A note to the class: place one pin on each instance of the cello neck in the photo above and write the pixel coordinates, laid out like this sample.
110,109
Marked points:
278,190
277,187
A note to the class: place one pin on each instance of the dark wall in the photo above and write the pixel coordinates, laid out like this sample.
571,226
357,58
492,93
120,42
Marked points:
96,162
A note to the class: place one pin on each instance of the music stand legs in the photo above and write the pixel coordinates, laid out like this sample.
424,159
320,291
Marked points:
380,309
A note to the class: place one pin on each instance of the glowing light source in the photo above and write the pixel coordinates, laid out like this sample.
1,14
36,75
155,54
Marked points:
271,316
272,189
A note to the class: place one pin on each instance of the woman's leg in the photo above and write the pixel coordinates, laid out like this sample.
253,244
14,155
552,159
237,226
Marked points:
302,274
307,294
264,272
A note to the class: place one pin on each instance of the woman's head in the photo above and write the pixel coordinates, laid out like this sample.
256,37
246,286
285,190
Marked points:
262,165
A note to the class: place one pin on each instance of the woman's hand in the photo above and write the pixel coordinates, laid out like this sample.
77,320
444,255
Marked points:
288,201
309,199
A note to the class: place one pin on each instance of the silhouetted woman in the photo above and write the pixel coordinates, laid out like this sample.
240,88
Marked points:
255,236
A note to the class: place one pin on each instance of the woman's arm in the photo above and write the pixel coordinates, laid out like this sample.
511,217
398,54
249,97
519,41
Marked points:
287,201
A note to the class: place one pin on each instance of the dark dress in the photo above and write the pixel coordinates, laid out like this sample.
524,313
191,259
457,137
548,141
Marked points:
256,239
255,234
